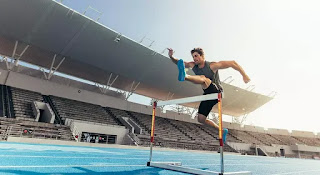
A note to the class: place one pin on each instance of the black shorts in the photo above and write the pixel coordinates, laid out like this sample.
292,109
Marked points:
206,106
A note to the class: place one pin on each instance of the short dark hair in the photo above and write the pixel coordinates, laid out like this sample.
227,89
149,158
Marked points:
199,50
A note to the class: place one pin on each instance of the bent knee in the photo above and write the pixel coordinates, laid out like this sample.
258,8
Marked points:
202,119
205,79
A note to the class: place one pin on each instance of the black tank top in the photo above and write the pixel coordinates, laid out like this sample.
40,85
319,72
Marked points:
207,72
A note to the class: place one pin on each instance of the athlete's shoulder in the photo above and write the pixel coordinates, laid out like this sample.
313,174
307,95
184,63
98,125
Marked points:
190,64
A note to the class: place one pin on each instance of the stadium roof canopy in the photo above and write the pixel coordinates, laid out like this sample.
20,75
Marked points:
94,52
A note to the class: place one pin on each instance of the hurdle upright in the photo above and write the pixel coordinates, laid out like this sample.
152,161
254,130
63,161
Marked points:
177,166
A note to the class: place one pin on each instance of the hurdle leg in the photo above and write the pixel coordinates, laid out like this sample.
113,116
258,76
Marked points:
152,130
220,133
177,166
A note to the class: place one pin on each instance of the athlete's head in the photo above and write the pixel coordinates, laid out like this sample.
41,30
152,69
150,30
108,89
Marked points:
197,55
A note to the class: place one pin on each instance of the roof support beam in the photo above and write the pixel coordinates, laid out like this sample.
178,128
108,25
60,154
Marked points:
132,89
95,10
15,57
52,68
152,41
244,118
110,83
104,88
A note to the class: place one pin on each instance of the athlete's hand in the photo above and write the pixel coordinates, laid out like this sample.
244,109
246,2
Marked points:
246,79
170,53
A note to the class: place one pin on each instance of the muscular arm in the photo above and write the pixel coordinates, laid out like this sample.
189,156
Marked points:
227,64
175,60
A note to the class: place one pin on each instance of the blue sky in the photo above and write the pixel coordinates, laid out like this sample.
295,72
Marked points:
275,41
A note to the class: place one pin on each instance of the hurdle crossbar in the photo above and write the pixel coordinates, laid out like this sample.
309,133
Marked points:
176,166
188,100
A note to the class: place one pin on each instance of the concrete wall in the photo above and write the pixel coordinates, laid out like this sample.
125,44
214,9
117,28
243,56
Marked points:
254,128
277,131
240,146
3,75
227,125
276,148
305,148
49,112
133,107
48,115
269,149
303,134
236,126
119,131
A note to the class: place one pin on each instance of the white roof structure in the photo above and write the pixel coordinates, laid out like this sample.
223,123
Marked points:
35,31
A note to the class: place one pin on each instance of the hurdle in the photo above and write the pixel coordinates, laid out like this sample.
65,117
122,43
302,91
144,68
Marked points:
177,166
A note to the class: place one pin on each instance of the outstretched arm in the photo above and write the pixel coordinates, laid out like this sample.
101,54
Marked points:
227,64
175,60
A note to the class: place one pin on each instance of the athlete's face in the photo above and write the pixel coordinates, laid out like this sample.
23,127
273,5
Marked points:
197,58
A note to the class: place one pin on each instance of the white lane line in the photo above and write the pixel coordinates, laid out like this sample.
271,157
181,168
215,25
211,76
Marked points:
297,172
113,165
66,157
66,166
99,157
74,155
231,164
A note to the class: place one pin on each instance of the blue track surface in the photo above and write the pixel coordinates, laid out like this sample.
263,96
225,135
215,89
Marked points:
18,158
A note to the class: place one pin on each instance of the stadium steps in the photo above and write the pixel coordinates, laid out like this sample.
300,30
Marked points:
226,147
8,104
262,141
277,139
210,133
180,129
215,134
2,104
233,138
138,122
37,129
113,116
300,140
22,102
281,141
58,119
236,137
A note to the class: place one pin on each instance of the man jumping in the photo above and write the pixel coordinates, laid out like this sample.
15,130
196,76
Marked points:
208,77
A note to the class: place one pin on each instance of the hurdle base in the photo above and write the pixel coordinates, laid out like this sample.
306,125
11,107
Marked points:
176,166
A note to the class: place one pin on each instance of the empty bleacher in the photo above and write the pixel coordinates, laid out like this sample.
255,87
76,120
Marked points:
194,132
82,111
168,132
244,137
22,100
177,134
116,113
265,138
25,128
286,139
214,132
163,128
308,141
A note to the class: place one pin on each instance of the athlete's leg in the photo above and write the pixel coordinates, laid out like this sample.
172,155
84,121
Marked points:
203,119
205,108
199,79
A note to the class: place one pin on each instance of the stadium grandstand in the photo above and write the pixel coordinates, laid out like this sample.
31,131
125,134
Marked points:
39,100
